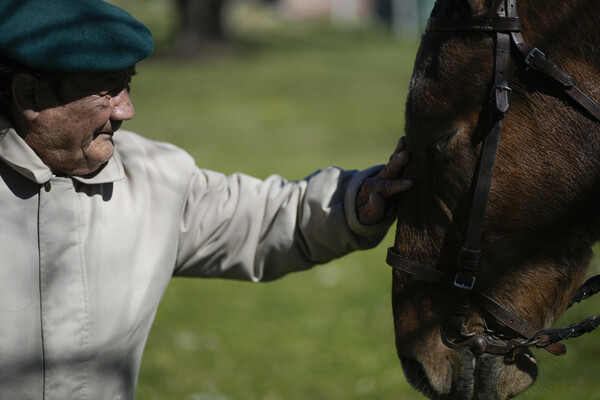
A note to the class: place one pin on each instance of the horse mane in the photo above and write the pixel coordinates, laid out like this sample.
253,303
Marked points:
569,29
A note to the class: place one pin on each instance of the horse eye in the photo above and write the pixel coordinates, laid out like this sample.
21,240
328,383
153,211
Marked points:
439,146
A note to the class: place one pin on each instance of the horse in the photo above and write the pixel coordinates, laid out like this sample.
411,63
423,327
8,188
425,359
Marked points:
495,237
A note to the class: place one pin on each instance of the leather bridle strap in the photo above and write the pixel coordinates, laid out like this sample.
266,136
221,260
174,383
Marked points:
588,289
537,60
520,326
517,325
548,339
469,256
506,24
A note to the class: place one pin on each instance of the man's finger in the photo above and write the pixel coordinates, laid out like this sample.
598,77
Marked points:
400,146
373,211
393,168
390,187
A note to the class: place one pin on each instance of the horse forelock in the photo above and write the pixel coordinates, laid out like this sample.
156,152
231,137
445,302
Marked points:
463,8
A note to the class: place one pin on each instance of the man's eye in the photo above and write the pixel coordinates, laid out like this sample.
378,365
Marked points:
114,92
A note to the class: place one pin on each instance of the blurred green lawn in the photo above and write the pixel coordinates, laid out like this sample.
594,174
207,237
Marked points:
288,102
283,107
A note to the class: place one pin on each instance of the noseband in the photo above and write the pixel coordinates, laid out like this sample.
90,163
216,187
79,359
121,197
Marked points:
506,27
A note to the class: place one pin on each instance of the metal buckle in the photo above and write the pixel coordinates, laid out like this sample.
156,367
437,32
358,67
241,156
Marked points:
535,53
501,87
500,96
464,287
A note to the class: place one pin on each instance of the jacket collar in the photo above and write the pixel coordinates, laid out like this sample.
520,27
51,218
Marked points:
17,154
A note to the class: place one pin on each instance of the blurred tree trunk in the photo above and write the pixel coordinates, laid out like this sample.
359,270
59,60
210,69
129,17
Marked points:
200,28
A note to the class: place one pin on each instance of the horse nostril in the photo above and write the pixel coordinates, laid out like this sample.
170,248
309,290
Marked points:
412,369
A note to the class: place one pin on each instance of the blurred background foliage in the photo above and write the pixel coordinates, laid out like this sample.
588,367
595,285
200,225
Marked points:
288,94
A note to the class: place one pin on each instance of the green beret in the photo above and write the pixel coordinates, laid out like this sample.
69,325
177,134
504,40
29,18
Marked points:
71,35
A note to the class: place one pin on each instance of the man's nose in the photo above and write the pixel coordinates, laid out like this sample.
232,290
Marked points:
122,106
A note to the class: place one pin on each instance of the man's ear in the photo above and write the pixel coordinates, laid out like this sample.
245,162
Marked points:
25,91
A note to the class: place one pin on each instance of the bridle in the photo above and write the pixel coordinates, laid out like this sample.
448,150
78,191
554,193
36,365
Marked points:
506,28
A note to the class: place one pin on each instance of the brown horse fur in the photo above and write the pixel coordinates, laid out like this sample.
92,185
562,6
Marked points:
544,210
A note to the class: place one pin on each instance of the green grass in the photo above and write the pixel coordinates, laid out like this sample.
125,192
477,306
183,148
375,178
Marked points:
289,102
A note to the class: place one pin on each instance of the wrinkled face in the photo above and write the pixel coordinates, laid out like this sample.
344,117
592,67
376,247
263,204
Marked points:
71,126
531,209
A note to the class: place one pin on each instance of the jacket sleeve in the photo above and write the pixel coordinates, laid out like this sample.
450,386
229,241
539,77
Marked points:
239,227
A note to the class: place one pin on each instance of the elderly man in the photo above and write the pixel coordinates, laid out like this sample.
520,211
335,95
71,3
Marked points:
96,221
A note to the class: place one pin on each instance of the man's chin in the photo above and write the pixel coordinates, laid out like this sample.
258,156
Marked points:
93,162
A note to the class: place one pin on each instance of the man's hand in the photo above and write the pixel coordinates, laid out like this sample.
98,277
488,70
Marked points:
382,188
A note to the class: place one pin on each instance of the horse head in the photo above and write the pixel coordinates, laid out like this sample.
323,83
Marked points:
543,213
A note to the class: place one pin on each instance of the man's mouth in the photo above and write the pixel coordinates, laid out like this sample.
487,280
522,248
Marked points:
109,133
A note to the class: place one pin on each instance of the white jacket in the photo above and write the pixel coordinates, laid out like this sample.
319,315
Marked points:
84,261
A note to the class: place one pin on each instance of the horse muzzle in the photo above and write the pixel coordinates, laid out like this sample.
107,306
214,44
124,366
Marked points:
464,375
